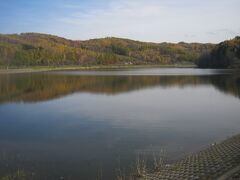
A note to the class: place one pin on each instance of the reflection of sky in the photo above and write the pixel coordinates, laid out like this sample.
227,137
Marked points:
194,109
84,127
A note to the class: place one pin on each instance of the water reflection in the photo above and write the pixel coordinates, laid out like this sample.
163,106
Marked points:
47,86
77,124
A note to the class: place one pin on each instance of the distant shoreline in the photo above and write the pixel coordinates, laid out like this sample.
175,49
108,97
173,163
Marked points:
33,69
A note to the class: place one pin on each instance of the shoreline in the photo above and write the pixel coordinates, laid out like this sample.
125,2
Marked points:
208,163
34,69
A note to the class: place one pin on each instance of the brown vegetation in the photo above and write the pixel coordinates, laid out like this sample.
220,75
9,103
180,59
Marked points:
33,49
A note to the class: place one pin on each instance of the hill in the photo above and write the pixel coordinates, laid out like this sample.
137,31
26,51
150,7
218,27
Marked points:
224,55
34,49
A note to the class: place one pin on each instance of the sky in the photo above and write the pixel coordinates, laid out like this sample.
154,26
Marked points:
145,20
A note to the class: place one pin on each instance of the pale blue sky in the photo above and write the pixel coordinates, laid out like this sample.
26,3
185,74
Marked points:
145,20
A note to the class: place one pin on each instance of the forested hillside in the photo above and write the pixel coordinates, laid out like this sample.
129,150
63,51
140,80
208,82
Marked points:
33,49
224,55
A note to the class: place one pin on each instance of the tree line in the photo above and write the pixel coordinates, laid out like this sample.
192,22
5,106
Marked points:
34,49
224,55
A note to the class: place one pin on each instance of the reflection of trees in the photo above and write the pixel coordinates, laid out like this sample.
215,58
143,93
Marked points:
39,87
228,84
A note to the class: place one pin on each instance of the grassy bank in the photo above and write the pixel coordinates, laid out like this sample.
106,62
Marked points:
31,69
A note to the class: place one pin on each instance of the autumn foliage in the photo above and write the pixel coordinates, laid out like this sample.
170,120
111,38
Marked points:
33,49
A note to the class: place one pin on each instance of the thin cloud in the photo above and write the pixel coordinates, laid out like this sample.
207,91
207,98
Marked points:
150,20
146,20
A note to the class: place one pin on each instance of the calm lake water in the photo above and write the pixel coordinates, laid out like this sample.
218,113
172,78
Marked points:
85,124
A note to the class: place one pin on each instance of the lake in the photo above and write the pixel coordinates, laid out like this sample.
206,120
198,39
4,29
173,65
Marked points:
90,124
